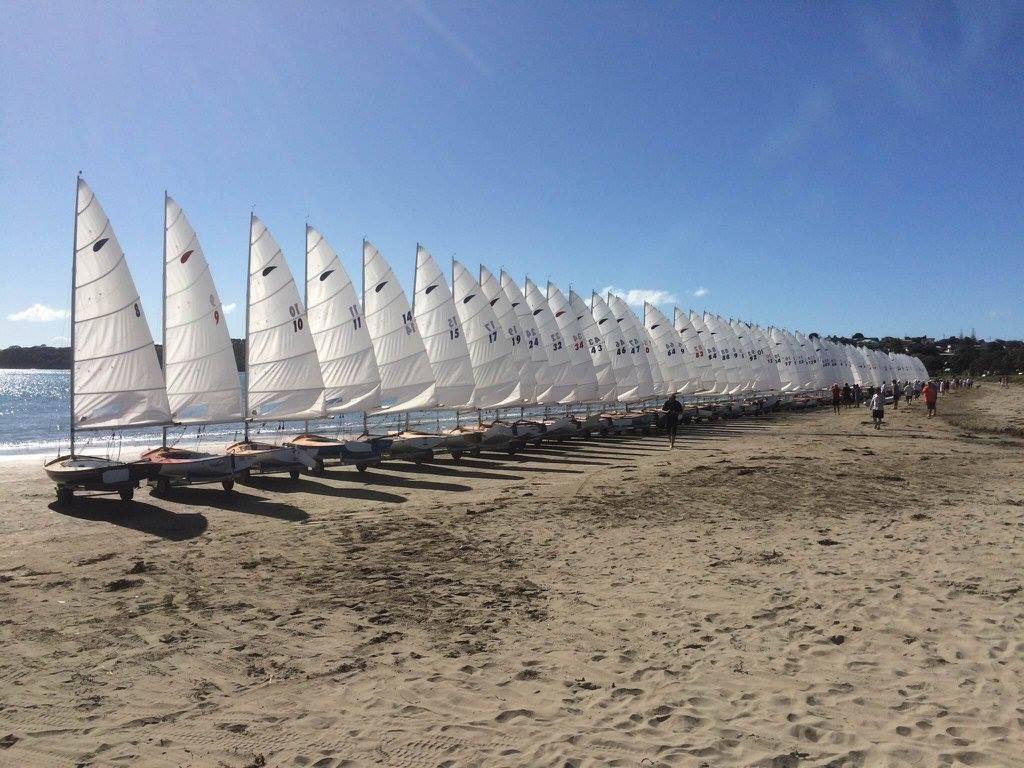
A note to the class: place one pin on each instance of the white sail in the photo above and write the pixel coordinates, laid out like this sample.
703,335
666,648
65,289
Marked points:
717,370
728,351
117,377
540,371
559,368
508,322
701,377
199,361
599,357
406,378
623,367
495,369
584,378
665,342
434,311
343,346
638,347
283,379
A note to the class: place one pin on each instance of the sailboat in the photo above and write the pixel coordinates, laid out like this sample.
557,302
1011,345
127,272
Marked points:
406,378
444,338
199,362
116,382
347,362
494,365
560,383
601,361
539,371
625,370
282,373
640,353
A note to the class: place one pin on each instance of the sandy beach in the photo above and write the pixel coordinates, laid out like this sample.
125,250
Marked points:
796,590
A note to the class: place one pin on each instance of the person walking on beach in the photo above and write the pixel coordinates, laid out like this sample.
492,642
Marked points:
672,408
858,395
908,393
877,409
847,395
895,394
836,398
931,396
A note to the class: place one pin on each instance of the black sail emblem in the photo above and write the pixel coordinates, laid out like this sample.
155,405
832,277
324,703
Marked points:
99,244
655,326
380,286
602,320
468,298
515,304
185,256
327,273
268,270
559,313
430,288
537,311
495,300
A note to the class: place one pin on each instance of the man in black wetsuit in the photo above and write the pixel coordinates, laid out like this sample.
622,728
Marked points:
672,409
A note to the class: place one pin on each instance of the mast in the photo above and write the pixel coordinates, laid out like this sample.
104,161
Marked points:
74,280
305,300
362,301
248,282
163,332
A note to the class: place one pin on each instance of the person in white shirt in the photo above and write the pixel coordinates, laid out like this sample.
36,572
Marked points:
877,409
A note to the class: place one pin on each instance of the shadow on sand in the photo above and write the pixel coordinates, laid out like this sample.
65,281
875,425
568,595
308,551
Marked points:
135,515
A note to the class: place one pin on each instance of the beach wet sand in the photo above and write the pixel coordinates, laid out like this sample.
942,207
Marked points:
794,590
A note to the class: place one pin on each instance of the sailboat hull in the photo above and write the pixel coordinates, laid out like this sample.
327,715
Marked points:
361,451
266,458
494,436
92,473
184,466
561,428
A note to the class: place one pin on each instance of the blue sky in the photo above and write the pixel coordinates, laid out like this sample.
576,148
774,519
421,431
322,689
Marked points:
824,166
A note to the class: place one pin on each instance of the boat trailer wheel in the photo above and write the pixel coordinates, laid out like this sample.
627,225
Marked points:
361,467
294,474
228,485
163,487
126,494
65,495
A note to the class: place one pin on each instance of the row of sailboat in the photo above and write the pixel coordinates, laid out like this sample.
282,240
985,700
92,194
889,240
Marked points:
473,344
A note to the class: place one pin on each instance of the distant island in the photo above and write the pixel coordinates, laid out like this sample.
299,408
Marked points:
951,356
59,358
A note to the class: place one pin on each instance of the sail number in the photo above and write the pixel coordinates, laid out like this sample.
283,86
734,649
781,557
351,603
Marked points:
295,310
357,318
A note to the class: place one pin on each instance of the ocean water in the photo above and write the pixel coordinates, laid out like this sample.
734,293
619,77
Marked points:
34,422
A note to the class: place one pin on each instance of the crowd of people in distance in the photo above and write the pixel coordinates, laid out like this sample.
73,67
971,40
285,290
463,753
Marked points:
893,392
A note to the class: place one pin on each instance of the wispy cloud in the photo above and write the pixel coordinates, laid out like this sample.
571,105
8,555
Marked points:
701,291
901,43
637,296
229,308
992,314
60,341
38,313
813,113
453,41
